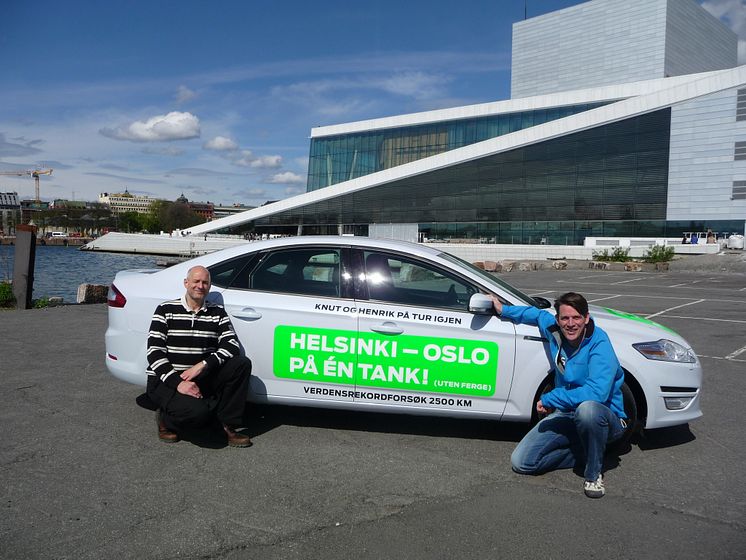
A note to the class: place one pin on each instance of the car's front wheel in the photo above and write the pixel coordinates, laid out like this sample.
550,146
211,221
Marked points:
630,409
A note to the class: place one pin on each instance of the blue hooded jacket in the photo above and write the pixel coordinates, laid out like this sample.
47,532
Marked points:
592,371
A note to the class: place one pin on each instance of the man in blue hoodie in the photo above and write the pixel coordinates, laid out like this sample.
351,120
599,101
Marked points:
585,410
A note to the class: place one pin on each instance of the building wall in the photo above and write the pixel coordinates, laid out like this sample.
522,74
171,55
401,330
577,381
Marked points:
9,200
697,41
606,42
123,204
702,167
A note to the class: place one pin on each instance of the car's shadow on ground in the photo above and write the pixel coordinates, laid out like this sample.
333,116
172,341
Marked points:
261,419
665,437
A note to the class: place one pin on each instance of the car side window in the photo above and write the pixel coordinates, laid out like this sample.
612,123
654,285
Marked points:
311,272
233,273
396,279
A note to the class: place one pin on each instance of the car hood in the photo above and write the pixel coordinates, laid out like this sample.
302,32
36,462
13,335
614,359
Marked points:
632,328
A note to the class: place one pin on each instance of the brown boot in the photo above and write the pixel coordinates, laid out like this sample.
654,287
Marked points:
235,439
164,434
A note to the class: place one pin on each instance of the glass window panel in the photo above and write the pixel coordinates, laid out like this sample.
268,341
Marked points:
312,272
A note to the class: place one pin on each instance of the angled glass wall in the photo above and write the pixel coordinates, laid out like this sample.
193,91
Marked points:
334,159
606,181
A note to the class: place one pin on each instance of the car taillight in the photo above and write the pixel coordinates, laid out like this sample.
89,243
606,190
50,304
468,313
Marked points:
115,298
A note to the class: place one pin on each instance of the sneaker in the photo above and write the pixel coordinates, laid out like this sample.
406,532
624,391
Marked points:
594,488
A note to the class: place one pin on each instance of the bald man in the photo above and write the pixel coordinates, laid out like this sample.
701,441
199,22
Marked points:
195,370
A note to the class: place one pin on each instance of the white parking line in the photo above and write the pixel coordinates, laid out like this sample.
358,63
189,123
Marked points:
628,281
589,293
736,353
740,321
603,298
719,358
672,308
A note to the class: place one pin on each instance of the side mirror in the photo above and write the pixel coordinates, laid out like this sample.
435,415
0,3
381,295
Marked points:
481,304
541,302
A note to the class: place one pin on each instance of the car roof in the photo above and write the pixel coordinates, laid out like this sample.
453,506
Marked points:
343,240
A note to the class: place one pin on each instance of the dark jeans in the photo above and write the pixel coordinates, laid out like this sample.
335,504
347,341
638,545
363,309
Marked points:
224,395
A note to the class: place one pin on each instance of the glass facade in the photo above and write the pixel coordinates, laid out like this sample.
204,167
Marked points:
607,181
334,159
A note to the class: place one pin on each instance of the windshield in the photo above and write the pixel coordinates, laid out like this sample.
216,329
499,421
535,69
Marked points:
491,279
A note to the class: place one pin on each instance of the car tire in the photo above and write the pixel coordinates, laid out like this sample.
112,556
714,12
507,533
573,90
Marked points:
546,386
630,409
622,445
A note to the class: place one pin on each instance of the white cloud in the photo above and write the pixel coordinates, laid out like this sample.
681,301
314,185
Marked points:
292,191
221,144
246,158
418,85
733,14
287,178
362,93
184,94
173,126
267,162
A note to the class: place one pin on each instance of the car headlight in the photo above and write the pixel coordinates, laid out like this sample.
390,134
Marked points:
665,351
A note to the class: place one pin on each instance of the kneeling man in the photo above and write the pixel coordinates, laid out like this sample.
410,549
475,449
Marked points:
195,368
585,410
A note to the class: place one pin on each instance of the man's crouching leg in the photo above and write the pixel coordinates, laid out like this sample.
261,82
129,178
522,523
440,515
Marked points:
550,445
231,385
184,412
597,425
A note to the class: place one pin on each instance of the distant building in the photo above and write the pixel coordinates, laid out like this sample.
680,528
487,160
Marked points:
121,203
205,210
31,208
627,119
10,212
71,204
223,211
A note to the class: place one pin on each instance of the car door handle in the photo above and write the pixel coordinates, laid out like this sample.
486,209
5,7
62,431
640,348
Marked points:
536,338
387,328
248,313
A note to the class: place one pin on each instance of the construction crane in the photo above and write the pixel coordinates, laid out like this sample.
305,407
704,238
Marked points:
32,173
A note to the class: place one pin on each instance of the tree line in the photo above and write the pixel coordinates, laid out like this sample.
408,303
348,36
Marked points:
163,215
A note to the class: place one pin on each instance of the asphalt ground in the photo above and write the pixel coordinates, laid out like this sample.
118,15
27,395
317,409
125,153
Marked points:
84,475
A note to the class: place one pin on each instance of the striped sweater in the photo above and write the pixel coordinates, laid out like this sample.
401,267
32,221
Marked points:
180,338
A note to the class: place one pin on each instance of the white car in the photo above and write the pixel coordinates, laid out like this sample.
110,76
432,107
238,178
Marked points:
359,323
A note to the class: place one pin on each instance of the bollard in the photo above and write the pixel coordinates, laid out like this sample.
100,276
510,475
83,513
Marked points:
23,265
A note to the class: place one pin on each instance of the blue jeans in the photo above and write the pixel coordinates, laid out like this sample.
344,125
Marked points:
565,439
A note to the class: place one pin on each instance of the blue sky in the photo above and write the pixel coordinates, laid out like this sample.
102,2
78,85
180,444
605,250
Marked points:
217,99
